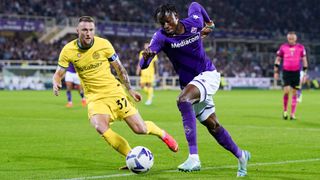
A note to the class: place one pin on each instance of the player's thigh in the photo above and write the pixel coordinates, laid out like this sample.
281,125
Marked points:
204,109
68,77
208,83
100,122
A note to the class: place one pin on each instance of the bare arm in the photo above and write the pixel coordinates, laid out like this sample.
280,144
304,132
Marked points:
124,78
305,68
305,62
276,68
138,70
56,80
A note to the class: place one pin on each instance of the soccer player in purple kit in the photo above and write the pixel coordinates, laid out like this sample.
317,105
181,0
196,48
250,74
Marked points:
72,80
292,54
181,41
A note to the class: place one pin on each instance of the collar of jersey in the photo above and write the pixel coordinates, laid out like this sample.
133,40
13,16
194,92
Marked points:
82,48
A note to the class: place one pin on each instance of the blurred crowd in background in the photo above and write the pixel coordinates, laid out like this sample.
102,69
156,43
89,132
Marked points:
280,15
234,61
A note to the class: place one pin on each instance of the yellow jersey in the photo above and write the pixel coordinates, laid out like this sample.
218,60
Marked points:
92,66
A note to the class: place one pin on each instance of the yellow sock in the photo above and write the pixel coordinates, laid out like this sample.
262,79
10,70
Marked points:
117,142
154,129
150,93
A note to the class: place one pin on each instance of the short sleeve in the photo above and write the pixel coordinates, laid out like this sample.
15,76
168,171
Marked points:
110,52
303,52
63,59
280,52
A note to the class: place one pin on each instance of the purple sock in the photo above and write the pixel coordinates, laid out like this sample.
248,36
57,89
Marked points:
225,140
299,93
189,124
69,96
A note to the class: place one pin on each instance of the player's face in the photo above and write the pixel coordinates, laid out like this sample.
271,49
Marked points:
86,32
292,38
169,23
146,45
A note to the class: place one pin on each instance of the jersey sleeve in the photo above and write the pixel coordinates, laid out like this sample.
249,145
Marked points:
280,52
110,52
197,12
63,59
303,52
157,42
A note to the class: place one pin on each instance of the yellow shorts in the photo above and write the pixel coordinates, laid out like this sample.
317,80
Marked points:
117,106
147,79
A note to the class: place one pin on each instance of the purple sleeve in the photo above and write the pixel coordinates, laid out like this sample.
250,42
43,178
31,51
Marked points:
155,45
196,8
144,64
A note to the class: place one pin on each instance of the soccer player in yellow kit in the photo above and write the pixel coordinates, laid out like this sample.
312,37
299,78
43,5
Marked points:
147,76
107,100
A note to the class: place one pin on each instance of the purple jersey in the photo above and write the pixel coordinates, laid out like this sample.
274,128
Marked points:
71,68
186,51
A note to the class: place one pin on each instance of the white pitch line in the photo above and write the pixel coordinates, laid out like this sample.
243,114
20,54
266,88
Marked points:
206,168
278,128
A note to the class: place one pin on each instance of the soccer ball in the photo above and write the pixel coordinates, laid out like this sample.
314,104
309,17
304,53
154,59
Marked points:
139,160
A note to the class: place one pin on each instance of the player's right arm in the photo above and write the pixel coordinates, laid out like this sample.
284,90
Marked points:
154,48
56,80
63,64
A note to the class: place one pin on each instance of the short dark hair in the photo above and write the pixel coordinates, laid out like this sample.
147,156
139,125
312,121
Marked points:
292,32
86,19
161,11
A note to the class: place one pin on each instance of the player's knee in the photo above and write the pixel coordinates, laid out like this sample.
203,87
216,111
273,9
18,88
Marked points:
100,126
212,123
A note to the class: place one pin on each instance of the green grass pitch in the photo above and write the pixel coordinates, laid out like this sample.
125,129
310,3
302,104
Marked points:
41,139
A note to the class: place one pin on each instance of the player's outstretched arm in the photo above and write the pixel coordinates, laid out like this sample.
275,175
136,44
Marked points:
124,78
147,56
56,80
196,9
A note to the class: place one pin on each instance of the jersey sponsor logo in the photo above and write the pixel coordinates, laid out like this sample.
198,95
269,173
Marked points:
185,42
195,17
91,66
187,130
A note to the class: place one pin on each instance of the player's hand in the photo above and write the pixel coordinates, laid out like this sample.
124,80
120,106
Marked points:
276,76
148,53
56,87
207,29
136,96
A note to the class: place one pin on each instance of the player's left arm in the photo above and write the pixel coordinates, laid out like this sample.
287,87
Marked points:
124,78
196,9
305,68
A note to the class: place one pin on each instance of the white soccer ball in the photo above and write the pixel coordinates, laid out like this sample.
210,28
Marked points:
139,160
